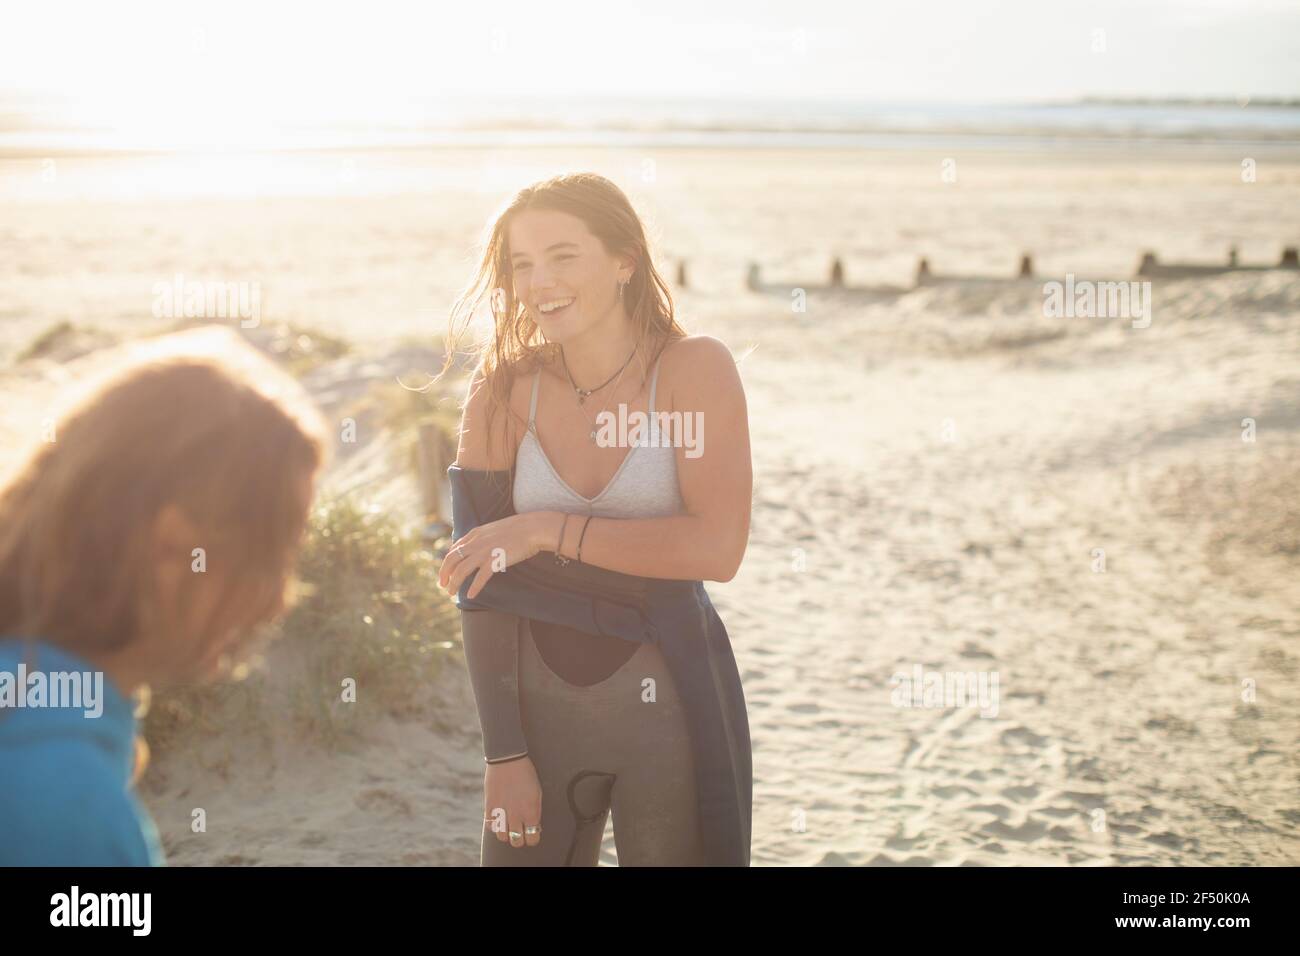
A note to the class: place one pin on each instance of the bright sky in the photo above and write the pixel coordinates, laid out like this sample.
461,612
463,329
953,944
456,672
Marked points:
154,59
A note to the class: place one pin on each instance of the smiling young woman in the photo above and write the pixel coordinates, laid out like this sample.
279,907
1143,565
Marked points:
584,326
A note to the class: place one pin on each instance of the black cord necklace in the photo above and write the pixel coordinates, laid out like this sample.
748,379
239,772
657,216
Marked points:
584,393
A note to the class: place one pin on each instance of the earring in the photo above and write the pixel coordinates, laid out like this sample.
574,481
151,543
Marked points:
621,284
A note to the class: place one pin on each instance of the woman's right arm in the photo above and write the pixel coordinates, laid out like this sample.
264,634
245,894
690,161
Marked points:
491,638
512,792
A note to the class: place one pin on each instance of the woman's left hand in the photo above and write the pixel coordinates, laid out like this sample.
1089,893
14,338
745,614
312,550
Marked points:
494,547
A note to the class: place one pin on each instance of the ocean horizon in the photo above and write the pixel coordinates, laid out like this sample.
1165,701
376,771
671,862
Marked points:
35,126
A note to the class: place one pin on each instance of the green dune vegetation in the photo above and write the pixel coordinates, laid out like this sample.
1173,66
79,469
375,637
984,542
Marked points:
368,634
369,629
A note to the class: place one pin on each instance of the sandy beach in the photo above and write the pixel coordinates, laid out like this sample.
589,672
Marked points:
1102,519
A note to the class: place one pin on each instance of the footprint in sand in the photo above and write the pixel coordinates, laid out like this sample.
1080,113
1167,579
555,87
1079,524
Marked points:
382,801
1166,839
1020,794
1024,736
1027,832
954,790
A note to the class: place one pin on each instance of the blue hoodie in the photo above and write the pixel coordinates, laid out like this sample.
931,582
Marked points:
65,771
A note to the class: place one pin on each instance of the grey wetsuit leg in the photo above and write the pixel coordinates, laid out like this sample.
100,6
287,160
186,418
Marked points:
655,801
619,744
575,791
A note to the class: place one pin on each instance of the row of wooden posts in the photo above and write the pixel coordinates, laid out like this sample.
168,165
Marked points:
433,454
1148,266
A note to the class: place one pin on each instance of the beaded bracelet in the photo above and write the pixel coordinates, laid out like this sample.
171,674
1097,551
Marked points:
559,558
583,535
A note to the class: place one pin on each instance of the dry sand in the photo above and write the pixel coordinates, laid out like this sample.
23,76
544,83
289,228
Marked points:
934,475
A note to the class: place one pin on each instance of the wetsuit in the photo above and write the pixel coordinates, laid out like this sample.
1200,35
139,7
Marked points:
600,716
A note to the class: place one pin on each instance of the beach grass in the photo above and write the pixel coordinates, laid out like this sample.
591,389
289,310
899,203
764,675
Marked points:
64,341
369,617
46,342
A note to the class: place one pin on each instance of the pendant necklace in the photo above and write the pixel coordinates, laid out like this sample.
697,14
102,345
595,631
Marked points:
584,393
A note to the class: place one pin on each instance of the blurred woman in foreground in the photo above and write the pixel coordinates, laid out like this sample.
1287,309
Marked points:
141,543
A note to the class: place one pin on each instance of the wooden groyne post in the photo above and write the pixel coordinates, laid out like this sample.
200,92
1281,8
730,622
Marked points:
922,271
837,274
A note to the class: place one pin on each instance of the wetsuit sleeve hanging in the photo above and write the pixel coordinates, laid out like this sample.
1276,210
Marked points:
591,599
491,640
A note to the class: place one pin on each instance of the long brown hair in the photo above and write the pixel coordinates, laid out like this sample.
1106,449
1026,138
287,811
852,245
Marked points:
199,422
517,346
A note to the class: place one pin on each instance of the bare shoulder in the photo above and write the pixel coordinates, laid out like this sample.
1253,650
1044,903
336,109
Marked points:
479,448
699,368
